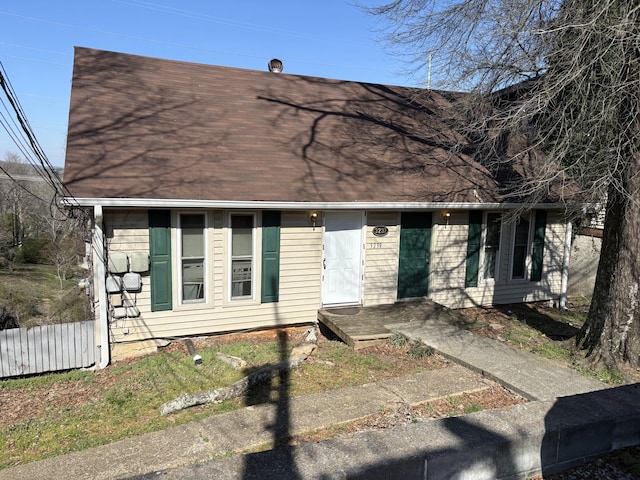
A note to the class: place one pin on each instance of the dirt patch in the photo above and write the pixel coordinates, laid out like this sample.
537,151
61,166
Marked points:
492,397
23,404
623,464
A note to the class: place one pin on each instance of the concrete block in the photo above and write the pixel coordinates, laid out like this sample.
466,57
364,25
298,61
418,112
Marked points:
626,432
475,463
585,440
122,351
523,454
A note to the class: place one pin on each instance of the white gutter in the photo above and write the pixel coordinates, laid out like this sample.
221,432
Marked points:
101,275
274,205
565,266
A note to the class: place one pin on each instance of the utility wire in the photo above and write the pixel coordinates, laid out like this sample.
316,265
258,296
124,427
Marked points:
54,179
20,131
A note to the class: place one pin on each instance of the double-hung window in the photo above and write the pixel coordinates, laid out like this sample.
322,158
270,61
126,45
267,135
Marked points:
527,260
520,251
483,247
491,252
242,256
192,257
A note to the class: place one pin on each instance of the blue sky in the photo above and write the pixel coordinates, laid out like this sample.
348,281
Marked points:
328,38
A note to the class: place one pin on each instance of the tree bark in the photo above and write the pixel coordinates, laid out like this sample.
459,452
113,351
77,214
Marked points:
611,332
241,387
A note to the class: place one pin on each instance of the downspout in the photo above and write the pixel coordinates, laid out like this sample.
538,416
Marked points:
565,266
98,244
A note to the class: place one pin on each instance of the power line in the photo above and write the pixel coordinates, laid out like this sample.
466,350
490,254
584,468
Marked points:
191,47
20,131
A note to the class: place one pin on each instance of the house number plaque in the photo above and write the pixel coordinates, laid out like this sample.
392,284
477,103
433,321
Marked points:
380,231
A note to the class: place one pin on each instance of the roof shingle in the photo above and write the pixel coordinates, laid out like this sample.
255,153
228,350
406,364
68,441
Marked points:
149,128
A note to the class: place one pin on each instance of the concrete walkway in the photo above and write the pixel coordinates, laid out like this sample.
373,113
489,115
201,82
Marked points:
176,452
529,375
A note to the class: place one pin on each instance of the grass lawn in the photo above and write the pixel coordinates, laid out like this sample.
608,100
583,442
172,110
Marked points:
33,295
52,414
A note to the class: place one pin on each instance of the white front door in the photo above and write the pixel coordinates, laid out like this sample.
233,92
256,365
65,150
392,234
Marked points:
342,262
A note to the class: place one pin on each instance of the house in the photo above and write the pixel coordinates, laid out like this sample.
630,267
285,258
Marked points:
226,199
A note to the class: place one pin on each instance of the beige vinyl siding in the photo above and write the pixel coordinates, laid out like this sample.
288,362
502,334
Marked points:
381,259
448,258
449,263
127,232
300,275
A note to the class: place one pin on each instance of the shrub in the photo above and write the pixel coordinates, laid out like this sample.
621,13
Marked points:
32,250
419,350
398,340
7,319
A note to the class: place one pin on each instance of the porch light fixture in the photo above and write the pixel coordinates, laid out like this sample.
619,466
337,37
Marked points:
446,216
313,218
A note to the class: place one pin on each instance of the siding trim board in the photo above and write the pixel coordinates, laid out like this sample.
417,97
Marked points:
299,206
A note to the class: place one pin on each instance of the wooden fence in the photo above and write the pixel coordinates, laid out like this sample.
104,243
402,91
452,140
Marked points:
47,348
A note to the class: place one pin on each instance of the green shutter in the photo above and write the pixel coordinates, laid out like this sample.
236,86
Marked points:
473,248
160,259
270,256
537,253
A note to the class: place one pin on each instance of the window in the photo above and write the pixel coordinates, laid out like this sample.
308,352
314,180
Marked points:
483,247
491,246
520,248
242,256
192,257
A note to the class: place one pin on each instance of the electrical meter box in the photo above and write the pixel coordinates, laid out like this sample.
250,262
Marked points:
139,262
132,282
118,262
114,284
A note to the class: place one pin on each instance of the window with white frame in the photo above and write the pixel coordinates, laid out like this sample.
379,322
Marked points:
520,250
491,251
242,255
192,257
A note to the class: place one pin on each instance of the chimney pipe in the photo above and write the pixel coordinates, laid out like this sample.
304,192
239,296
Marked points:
275,65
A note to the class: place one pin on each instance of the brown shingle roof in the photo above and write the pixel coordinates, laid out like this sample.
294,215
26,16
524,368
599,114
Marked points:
147,128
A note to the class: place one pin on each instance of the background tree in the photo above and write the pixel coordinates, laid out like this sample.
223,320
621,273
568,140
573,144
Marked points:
33,228
565,75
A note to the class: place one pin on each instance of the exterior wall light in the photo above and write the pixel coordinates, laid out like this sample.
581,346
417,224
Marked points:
313,218
445,217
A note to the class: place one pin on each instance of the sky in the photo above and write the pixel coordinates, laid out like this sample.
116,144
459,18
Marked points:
324,38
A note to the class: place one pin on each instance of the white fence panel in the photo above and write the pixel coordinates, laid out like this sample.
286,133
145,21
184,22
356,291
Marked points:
46,348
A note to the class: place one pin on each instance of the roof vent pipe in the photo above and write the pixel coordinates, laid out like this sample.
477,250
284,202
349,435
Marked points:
275,65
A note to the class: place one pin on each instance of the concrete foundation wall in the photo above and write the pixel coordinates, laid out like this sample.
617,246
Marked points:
585,254
511,443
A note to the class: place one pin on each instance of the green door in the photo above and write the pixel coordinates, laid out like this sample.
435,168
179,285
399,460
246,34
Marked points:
415,244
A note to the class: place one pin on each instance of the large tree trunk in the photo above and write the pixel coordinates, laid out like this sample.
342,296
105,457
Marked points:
611,332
